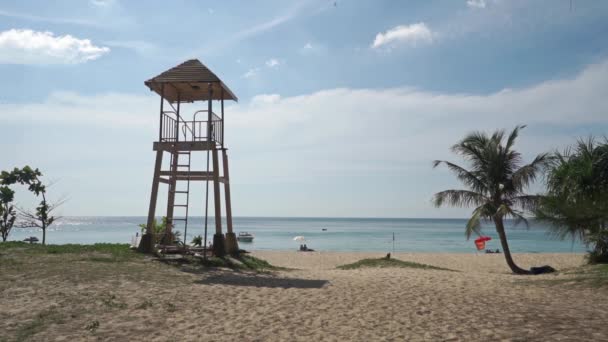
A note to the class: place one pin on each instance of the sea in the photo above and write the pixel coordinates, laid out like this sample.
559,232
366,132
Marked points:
321,234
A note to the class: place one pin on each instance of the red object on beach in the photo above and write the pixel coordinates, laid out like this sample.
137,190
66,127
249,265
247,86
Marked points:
480,242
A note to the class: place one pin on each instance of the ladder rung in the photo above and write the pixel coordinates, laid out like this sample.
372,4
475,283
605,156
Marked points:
180,205
180,192
186,165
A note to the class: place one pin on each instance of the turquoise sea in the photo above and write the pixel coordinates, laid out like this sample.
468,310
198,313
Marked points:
341,234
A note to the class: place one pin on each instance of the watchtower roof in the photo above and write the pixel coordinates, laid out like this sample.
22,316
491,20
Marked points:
189,82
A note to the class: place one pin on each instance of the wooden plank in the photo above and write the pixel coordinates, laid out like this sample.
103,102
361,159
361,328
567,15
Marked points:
186,173
163,180
183,146
198,178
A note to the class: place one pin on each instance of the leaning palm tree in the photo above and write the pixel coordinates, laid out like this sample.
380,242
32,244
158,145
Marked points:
496,182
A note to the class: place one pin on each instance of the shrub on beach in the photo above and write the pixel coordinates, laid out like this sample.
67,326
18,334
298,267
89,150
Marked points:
576,203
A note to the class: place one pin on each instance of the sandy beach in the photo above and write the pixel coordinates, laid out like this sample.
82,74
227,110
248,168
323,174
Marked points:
314,301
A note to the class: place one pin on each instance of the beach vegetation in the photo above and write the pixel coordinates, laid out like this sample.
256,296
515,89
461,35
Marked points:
8,214
197,241
495,182
42,217
388,262
160,233
576,202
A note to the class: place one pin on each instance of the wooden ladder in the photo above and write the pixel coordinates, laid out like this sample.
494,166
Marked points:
182,166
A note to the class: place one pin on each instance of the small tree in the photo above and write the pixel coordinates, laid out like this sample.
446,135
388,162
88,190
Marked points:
8,215
42,217
576,203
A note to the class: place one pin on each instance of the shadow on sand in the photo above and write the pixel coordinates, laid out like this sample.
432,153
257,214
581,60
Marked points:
259,280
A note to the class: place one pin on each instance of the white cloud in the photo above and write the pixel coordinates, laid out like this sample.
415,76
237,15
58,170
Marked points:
102,3
34,47
273,62
342,123
139,46
411,34
64,107
476,3
307,46
324,143
251,73
265,99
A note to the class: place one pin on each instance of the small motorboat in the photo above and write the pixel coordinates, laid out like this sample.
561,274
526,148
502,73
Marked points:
245,237
31,239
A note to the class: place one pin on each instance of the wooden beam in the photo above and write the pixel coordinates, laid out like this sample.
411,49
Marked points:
163,180
172,184
184,146
154,192
187,173
227,192
216,193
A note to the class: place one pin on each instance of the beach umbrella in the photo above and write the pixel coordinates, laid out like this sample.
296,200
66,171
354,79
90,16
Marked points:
299,238
480,242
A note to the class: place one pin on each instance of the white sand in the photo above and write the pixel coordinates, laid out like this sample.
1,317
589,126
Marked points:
317,302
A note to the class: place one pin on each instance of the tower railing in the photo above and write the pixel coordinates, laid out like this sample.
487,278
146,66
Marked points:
194,130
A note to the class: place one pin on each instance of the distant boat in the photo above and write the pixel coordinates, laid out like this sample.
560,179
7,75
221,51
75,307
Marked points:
245,237
324,229
31,239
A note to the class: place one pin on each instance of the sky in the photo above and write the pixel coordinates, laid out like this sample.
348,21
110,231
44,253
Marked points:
343,105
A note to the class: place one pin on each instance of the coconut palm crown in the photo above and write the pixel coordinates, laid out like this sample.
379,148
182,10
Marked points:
496,182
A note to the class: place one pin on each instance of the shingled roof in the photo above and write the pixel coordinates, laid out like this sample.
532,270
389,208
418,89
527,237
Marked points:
189,82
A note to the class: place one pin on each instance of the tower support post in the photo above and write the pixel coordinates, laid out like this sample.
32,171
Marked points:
171,198
146,244
232,246
218,238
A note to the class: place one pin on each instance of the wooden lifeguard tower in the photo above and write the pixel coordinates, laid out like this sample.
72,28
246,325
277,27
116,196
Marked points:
182,136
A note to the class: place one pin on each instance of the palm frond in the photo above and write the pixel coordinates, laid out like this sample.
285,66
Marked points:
513,136
464,175
459,198
508,212
526,202
474,224
527,174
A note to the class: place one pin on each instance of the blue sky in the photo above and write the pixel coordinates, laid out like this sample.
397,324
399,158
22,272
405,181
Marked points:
342,104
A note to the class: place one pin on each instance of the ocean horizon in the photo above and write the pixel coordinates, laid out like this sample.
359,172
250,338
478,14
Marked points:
321,234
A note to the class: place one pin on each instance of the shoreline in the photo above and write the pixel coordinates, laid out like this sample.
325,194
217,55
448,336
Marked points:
466,262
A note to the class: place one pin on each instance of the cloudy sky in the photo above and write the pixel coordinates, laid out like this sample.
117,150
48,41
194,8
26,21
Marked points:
342,104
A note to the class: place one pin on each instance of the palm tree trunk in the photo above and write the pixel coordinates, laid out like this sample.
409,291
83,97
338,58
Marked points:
500,229
43,234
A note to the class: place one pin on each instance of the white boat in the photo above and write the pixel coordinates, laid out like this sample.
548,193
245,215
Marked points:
245,237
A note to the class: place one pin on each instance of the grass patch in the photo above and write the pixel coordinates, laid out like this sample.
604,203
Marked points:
242,262
384,262
99,252
39,323
252,263
594,276
110,301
